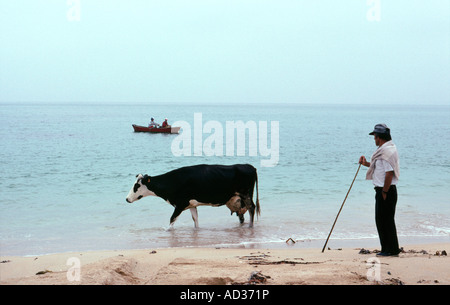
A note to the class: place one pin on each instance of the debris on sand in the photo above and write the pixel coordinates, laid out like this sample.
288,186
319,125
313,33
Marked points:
43,272
256,277
365,251
441,253
290,240
393,281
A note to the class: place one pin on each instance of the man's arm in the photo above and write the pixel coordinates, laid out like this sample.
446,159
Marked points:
387,183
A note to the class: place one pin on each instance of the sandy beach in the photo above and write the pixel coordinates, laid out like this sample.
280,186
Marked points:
425,264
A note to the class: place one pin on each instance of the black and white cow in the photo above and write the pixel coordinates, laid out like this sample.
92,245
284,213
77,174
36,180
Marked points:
192,186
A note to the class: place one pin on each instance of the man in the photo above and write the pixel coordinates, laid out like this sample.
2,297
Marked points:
384,170
153,123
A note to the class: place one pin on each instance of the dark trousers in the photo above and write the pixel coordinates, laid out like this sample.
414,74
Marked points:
384,218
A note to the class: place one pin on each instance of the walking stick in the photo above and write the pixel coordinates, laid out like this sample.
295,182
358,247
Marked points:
341,208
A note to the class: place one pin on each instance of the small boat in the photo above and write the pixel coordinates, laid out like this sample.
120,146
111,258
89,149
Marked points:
169,129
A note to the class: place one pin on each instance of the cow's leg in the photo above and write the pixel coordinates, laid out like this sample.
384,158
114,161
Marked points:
175,215
252,214
241,218
250,207
242,211
194,216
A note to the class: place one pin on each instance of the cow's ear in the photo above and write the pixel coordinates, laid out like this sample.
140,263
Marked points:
146,179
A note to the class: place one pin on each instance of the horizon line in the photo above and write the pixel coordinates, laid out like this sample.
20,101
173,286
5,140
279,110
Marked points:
171,103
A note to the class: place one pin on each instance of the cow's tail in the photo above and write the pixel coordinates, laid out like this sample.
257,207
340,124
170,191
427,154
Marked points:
258,209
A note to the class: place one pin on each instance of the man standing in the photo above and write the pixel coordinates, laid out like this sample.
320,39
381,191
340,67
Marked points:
384,171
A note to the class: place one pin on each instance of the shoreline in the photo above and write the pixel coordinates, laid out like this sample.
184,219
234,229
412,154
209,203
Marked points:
419,264
282,244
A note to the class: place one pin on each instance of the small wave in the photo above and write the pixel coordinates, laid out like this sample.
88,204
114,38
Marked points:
434,230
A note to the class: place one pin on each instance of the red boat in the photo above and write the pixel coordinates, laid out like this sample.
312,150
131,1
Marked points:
169,129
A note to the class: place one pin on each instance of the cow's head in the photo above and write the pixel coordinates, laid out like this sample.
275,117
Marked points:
140,189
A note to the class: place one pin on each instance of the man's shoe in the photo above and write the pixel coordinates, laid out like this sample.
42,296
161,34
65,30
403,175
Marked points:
386,254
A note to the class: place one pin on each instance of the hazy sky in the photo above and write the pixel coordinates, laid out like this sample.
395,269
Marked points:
240,51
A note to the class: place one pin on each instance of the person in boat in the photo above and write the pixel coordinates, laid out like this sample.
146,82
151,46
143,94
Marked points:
153,123
165,124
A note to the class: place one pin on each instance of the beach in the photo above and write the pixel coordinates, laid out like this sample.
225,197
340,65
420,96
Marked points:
423,264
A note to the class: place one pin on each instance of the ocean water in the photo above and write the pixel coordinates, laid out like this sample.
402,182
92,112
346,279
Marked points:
66,171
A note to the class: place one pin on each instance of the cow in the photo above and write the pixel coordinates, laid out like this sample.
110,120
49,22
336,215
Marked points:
192,186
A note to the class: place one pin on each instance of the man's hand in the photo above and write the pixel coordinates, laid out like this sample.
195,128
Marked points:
363,161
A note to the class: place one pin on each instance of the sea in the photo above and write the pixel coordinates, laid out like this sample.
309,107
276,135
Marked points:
66,170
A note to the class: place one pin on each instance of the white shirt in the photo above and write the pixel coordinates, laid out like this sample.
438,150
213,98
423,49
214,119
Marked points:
381,167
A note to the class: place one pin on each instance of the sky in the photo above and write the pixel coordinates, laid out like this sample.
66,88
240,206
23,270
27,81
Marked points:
233,51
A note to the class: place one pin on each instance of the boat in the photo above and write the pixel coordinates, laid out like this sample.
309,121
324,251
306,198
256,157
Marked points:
169,129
